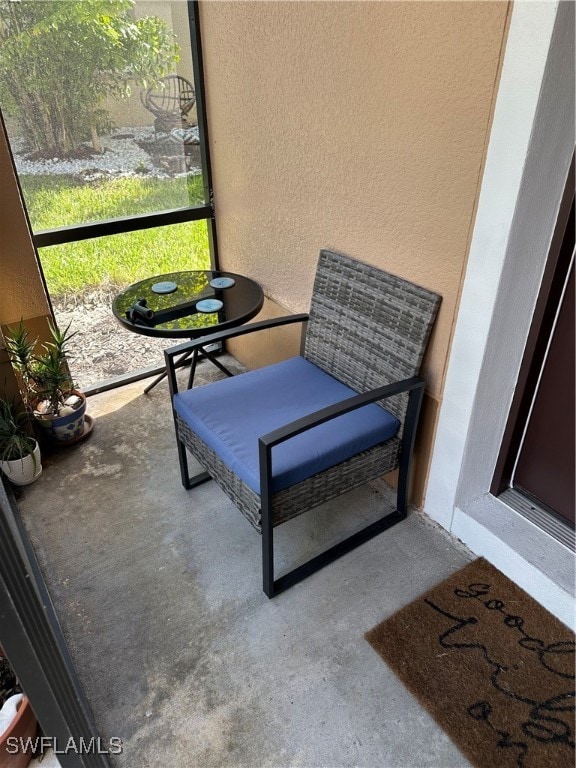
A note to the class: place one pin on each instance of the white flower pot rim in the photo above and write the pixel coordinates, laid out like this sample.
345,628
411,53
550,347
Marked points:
25,470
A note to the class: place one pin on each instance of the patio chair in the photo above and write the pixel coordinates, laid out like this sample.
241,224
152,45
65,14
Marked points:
285,438
170,101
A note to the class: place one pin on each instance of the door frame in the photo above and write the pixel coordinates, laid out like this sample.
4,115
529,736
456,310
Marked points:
528,157
34,644
553,280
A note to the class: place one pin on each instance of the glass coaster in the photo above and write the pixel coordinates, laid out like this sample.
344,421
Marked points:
165,287
222,282
209,305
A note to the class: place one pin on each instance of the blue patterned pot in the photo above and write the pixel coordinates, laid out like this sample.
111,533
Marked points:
62,429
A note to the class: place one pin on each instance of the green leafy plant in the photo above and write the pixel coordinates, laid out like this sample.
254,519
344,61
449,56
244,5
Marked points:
45,380
21,350
60,60
15,442
8,681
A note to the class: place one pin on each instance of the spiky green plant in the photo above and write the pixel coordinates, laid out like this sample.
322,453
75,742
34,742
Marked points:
15,442
50,372
21,350
45,376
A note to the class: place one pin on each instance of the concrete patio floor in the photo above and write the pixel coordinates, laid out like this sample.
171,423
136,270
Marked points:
181,654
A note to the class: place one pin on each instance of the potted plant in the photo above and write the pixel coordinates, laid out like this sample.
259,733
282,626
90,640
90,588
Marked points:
18,723
19,451
47,388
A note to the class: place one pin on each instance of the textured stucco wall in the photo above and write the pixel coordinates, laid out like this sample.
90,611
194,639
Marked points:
21,290
359,126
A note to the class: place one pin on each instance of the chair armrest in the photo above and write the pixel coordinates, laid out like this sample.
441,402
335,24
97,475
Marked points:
229,333
187,349
305,423
415,385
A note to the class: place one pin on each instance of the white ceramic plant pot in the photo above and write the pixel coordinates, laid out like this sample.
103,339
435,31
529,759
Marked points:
23,471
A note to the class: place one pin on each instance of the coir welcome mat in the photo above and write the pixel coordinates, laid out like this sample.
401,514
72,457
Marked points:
493,667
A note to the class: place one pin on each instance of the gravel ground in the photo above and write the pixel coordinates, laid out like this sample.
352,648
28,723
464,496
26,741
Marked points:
102,349
124,154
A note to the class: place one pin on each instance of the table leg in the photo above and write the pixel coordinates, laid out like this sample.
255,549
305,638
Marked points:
179,364
157,380
214,360
192,369
197,354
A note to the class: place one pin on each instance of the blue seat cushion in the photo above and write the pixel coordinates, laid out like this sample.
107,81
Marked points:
231,414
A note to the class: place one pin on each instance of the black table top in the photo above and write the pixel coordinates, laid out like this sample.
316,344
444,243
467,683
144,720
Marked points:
174,314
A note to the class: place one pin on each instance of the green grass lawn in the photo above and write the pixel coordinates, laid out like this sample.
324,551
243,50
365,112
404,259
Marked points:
55,201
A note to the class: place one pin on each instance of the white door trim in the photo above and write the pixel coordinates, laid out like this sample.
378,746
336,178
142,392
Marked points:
528,157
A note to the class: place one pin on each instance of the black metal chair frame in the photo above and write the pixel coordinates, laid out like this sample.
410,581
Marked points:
367,329
414,386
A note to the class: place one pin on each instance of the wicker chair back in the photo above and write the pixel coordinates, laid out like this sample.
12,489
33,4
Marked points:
368,328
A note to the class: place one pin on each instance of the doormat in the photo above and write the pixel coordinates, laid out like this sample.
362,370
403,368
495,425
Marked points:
494,668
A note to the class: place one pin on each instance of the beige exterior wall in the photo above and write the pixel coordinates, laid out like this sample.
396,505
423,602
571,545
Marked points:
358,126
22,293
